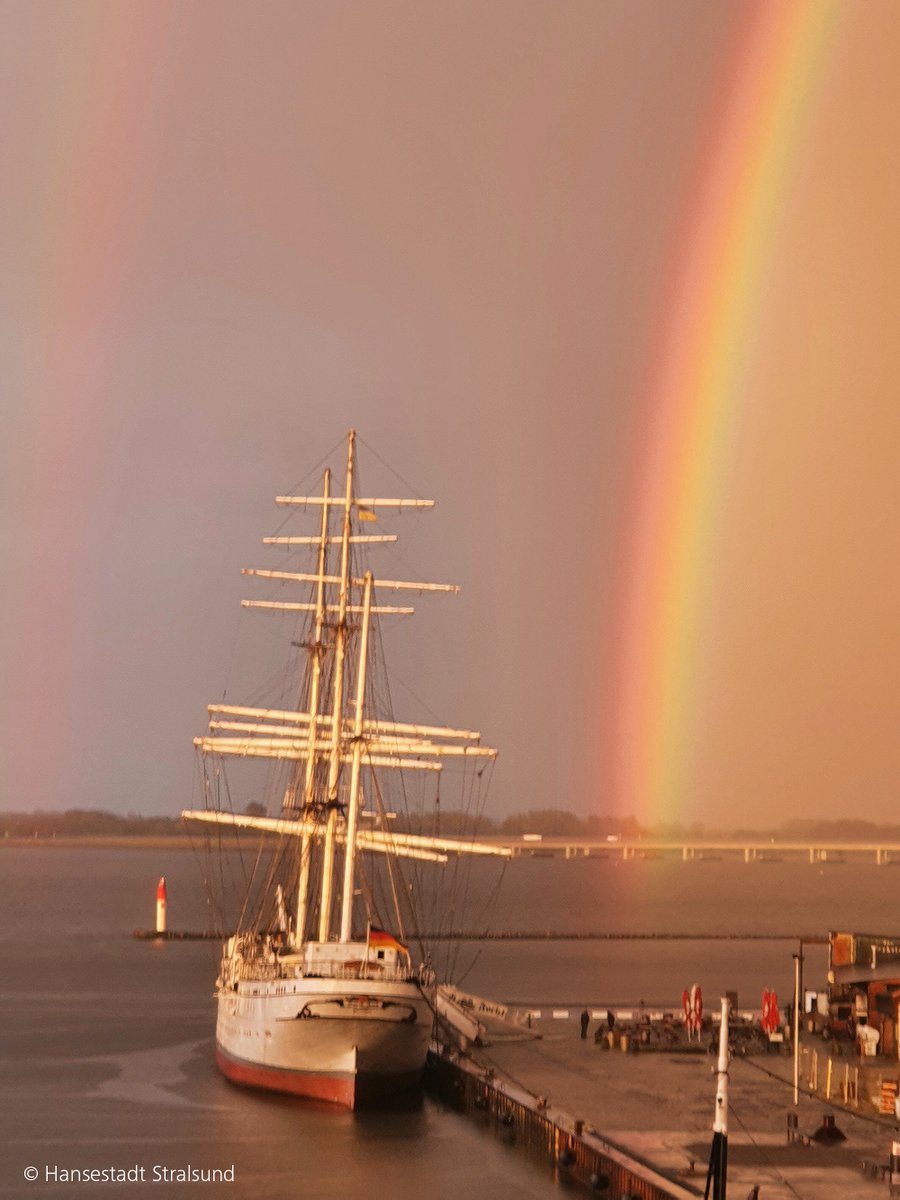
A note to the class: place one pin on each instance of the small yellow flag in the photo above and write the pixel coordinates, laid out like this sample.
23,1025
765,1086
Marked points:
365,514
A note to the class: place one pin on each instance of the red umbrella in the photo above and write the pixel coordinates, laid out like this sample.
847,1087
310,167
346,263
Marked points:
696,1008
772,1023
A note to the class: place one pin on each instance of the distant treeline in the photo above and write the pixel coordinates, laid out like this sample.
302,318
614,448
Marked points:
549,822
77,822
81,822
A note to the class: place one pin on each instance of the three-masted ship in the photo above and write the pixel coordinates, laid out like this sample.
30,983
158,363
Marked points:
313,999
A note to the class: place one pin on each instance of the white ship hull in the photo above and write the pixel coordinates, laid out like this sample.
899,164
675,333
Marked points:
338,1040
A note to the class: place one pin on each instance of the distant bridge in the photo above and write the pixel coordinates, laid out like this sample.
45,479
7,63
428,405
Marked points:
691,850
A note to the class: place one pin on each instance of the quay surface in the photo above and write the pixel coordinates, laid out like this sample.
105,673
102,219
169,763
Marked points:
658,1106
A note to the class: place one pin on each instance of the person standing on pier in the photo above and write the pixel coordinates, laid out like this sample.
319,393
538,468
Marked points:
585,1021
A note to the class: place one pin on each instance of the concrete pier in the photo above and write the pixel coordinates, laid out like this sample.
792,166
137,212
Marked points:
553,1138
657,1105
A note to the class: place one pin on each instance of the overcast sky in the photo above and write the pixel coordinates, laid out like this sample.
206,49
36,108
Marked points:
232,231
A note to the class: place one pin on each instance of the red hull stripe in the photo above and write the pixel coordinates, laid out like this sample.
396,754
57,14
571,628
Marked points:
345,1089
332,1088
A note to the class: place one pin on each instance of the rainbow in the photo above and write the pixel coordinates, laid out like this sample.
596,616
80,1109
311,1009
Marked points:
65,384
695,398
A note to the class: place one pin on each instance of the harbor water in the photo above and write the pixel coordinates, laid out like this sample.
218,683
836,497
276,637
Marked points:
107,1048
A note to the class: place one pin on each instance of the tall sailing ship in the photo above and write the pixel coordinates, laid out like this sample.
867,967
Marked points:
314,997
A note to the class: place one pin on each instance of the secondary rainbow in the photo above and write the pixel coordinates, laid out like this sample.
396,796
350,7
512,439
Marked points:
91,175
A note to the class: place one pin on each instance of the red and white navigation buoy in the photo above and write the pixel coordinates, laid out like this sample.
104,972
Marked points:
161,905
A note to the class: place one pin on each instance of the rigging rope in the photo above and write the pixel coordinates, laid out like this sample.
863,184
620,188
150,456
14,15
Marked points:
762,1150
856,1116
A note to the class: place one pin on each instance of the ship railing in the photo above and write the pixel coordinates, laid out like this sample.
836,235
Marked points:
336,969
250,968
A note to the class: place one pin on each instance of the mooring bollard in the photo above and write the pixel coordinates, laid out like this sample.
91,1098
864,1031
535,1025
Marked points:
792,1130
895,1167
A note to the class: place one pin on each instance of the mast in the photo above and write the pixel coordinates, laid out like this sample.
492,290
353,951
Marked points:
325,738
314,683
353,804
717,1175
340,647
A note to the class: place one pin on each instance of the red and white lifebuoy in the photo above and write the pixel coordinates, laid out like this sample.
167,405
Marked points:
686,1005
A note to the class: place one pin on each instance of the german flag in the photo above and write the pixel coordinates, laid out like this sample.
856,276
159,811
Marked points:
380,939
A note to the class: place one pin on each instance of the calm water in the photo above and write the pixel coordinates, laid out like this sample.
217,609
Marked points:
107,1050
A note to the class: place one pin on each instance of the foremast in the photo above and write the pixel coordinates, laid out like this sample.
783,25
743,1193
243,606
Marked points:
316,652
343,736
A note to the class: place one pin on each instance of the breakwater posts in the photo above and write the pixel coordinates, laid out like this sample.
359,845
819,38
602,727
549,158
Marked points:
507,935
550,935
578,1153
177,935
510,935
